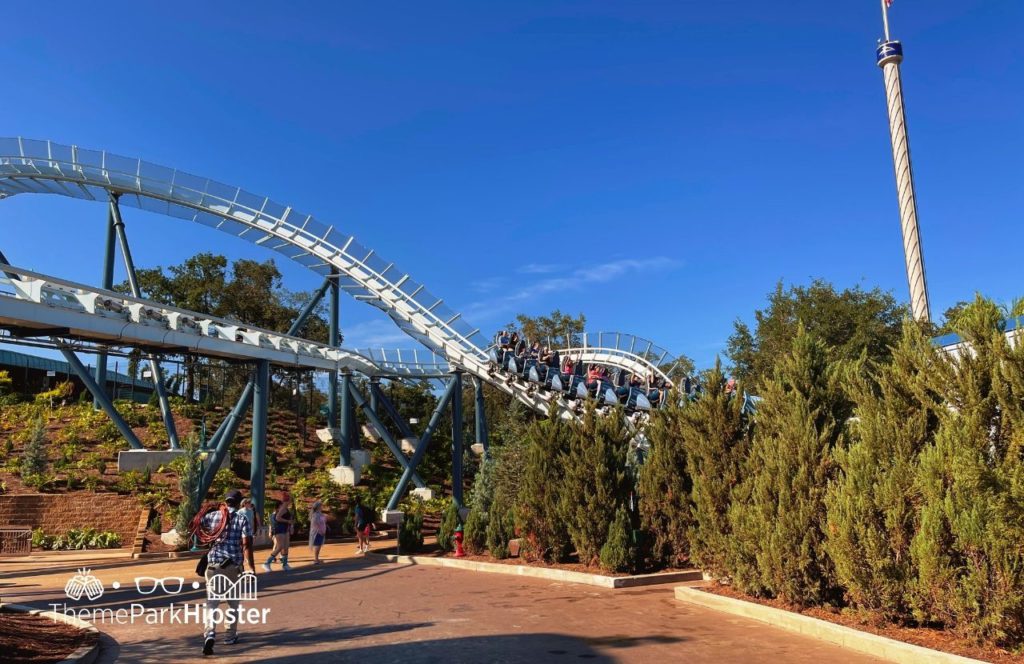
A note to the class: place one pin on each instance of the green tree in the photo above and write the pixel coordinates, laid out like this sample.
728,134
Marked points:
872,505
539,502
34,461
556,329
663,491
715,435
596,482
778,511
5,382
615,552
848,322
968,549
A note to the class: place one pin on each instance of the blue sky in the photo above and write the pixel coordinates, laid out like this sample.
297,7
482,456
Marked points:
657,166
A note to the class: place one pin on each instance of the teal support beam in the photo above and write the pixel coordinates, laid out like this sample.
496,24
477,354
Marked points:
374,394
334,340
223,437
457,480
355,439
107,283
480,414
385,435
421,448
346,418
260,404
154,366
389,408
101,397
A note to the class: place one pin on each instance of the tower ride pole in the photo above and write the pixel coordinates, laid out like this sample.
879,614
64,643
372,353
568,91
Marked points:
889,55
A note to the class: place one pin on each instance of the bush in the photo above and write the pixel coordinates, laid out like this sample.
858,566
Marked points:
410,533
223,481
616,554
131,481
446,533
500,529
76,539
475,531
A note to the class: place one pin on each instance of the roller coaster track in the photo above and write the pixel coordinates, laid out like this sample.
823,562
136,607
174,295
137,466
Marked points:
32,166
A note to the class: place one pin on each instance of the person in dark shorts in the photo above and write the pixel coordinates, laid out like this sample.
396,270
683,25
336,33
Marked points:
283,520
364,522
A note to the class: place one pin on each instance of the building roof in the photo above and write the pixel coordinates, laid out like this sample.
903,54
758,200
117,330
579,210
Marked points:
9,358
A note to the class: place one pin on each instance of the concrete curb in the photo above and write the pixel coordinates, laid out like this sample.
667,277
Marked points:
565,576
85,654
864,642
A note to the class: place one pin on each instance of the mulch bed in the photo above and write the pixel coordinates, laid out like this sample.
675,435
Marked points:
37,639
933,638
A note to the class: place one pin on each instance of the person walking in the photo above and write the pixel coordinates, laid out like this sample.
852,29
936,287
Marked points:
363,525
228,532
250,513
283,520
317,530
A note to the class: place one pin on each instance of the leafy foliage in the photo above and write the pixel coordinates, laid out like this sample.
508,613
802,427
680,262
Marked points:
848,323
539,506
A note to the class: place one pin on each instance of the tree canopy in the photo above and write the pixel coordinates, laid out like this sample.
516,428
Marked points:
849,322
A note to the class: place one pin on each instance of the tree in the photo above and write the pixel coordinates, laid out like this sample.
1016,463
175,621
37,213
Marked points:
596,483
872,505
556,329
615,553
664,487
5,382
777,513
849,322
539,512
715,436
967,550
33,458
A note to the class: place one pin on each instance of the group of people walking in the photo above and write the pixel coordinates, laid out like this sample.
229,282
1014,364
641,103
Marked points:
229,529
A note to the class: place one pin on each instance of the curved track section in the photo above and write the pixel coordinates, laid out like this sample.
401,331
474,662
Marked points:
32,166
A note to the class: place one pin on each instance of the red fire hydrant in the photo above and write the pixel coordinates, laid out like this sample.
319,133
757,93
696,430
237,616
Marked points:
459,552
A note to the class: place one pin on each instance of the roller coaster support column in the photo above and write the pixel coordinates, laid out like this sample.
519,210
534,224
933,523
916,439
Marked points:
889,55
107,283
221,440
260,402
133,283
481,417
383,400
333,341
377,424
374,394
100,396
421,448
243,400
346,418
457,438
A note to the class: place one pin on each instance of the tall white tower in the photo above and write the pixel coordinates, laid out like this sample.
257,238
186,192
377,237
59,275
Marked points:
889,56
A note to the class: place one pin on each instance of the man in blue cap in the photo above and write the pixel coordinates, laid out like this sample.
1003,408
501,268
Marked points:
230,549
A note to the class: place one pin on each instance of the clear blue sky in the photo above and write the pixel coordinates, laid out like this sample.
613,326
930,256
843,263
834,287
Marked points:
657,166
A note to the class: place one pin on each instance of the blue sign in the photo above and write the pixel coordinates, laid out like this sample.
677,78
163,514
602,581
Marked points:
890,50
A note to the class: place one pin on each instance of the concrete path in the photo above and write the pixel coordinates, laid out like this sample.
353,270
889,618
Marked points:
357,609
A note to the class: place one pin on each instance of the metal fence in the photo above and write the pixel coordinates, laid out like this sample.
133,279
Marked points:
15,541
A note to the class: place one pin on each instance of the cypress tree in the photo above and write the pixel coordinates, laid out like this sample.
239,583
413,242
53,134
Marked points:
664,487
778,510
539,512
872,506
969,550
596,482
616,555
33,458
715,435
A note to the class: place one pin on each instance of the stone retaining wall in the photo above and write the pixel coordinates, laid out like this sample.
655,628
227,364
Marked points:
57,514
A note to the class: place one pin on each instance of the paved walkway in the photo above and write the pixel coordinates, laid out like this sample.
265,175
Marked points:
358,609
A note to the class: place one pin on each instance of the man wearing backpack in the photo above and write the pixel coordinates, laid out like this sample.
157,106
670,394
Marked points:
230,548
